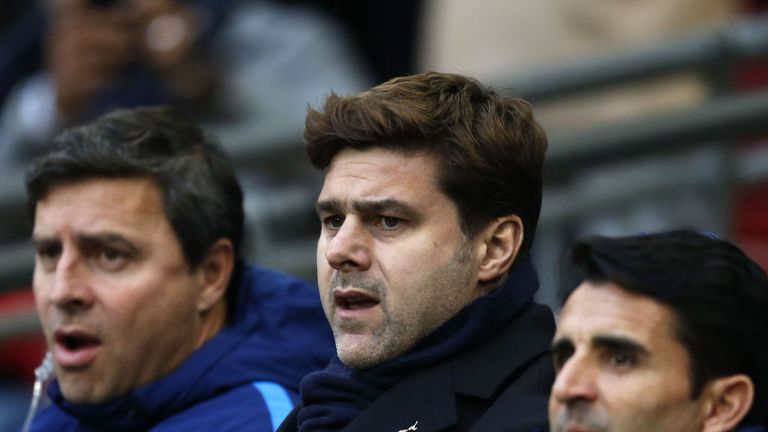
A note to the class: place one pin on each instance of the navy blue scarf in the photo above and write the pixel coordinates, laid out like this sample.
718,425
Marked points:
333,397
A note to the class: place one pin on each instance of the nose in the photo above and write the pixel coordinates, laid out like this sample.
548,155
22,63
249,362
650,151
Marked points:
576,381
349,249
69,287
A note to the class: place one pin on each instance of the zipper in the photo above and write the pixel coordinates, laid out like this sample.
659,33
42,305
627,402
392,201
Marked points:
42,375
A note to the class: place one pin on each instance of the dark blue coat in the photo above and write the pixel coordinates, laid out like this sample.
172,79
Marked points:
499,386
245,378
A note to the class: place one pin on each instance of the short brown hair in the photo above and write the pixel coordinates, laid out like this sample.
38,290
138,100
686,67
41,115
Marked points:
489,148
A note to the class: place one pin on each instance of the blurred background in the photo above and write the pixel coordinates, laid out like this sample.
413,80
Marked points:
657,110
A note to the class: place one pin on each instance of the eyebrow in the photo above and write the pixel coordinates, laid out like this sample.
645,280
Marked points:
44,242
619,343
107,238
602,341
366,206
328,206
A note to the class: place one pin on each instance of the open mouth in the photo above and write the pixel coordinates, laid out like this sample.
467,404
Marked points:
75,348
354,300
75,341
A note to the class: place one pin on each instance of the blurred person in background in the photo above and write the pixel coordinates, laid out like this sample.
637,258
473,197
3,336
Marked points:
511,43
153,320
666,332
429,205
503,41
238,67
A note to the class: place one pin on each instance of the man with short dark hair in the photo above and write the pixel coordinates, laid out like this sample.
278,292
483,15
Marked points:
428,209
152,318
667,332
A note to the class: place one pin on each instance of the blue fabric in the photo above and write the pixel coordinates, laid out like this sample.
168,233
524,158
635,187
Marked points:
333,397
278,334
277,401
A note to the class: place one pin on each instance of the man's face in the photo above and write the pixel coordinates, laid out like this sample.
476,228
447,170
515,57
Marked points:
619,366
393,264
115,296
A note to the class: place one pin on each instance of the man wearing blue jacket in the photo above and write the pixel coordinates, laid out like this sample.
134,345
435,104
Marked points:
152,319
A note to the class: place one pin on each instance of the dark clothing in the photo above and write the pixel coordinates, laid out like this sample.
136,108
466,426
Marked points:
487,368
245,378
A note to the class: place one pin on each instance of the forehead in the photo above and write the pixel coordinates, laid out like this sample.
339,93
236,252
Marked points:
381,173
605,309
100,203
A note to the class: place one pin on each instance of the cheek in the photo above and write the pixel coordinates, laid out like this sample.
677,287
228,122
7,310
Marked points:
129,311
553,408
324,275
322,244
42,308
151,299
41,288
411,260
648,396
323,286
40,296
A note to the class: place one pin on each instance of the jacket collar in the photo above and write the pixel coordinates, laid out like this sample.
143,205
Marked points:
429,396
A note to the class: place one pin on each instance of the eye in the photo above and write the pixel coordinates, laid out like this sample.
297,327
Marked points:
391,222
333,223
560,356
622,360
111,259
48,255
111,254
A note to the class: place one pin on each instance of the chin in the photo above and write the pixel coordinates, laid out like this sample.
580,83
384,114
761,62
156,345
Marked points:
80,397
83,393
360,357
357,359
364,357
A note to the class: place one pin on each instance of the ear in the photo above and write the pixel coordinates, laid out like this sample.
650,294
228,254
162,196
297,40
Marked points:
500,246
215,271
730,399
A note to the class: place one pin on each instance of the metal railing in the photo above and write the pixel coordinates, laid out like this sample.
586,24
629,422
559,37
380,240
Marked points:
710,52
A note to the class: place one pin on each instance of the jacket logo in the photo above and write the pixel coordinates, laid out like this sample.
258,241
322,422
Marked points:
413,427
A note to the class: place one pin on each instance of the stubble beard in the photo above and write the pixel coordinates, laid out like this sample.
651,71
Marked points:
397,334
582,415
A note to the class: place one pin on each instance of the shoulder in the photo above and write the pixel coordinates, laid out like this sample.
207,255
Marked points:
285,302
288,306
52,418
500,385
257,406
291,422
279,327
517,352
512,372
270,285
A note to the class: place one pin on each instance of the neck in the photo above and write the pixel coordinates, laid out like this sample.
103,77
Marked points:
211,322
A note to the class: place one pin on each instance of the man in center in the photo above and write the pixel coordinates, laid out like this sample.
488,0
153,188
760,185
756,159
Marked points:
428,209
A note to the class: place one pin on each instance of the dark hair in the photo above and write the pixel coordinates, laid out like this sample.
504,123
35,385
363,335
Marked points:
202,198
489,148
719,298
